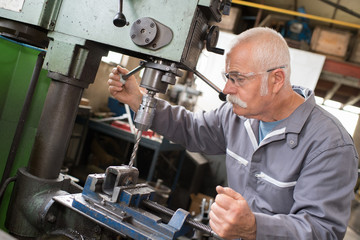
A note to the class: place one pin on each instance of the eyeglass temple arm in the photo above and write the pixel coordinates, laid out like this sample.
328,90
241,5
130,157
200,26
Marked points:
272,69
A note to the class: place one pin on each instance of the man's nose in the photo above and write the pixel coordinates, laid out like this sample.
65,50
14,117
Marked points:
230,87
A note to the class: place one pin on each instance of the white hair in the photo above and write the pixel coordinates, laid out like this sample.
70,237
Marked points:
269,50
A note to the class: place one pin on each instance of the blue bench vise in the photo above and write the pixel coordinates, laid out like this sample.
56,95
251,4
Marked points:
115,201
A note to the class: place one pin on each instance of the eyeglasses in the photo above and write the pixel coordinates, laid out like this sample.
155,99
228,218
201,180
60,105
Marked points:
239,79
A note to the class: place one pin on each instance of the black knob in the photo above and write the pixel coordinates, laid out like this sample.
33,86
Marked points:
222,96
120,19
212,39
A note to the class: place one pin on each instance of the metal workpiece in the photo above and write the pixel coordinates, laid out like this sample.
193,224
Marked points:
116,176
130,195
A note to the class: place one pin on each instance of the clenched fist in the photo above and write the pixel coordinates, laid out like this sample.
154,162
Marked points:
230,215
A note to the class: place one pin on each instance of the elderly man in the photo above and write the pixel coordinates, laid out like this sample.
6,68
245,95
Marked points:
291,166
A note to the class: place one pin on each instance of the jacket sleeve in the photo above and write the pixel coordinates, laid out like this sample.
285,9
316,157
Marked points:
198,132
322,197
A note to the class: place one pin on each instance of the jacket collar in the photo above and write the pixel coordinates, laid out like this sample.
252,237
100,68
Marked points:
295,122
291,126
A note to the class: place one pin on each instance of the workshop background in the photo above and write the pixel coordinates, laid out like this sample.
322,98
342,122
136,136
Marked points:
325,39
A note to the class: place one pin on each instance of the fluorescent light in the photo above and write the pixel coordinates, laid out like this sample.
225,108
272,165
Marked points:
333,104
352,109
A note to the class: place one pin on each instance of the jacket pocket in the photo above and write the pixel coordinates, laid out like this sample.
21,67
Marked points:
274,196
271,180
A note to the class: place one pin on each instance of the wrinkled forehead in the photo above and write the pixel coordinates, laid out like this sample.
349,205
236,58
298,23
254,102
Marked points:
240,58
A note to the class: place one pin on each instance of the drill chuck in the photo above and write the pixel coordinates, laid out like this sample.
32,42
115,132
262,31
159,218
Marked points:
146,112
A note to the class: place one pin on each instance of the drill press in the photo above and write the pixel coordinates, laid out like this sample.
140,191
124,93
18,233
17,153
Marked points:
169,35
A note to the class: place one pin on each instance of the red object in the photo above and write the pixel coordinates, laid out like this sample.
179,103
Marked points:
126,127
343,68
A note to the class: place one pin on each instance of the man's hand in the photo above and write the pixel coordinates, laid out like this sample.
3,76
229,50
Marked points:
128,93
230,215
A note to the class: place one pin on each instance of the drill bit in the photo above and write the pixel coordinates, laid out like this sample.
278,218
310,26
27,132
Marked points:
136,146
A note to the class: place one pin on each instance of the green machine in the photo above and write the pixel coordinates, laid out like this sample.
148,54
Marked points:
168,35
17,64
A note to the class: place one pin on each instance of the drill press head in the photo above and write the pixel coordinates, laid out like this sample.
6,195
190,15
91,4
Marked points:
151,34
156,78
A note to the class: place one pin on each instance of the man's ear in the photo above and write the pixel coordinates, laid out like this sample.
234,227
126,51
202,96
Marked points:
277,80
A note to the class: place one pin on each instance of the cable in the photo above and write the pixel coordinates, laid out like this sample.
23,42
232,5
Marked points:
6,183
21,123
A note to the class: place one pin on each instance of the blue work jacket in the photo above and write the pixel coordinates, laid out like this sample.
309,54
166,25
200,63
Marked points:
299,180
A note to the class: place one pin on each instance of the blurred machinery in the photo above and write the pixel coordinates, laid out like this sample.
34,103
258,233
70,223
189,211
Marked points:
168,35
185,94
298,29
